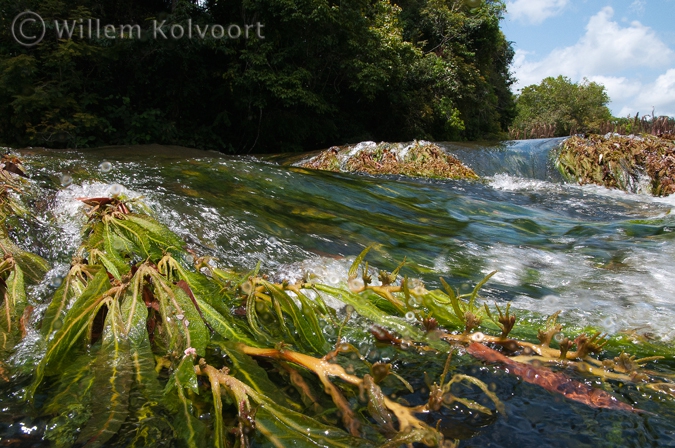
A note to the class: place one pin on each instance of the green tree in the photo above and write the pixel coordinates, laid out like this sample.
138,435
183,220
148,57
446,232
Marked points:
328,72
571,107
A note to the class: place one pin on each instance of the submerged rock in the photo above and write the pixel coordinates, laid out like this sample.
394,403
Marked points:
417,159
637,164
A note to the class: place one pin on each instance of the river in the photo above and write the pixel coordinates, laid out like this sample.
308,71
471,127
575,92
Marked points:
603,257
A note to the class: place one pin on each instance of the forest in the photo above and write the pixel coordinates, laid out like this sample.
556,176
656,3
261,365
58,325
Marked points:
326,72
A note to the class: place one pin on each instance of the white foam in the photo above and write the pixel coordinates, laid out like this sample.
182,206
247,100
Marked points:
638,293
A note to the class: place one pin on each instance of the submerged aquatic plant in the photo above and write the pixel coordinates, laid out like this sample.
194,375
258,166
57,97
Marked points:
418,159
147,343
17,266
616,161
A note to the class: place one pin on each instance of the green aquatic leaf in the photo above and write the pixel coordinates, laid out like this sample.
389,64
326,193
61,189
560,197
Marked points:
192,321
284,427
134,311
136,235
245,369
71,287
109,265
95,235
33,266
305,321
459,313
187,427
113,245
223,325
148,427
354,268
14,302
157,233
200,285
366,309
113,374
74,325
150,245
71,404
479,285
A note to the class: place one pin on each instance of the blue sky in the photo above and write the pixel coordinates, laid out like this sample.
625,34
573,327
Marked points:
626,45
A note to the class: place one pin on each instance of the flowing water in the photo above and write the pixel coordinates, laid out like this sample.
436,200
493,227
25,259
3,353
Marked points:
603,257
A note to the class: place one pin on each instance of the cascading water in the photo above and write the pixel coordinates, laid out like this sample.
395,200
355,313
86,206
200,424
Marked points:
602,257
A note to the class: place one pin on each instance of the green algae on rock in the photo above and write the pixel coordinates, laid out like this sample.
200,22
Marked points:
417,159
622,162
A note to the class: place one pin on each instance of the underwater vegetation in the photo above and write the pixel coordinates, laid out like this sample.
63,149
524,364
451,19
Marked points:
417,159
146,342
622,162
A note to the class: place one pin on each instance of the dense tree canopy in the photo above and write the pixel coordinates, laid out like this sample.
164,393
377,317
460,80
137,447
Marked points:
571,107
327,72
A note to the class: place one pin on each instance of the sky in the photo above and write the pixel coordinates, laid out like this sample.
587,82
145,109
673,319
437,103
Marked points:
626,45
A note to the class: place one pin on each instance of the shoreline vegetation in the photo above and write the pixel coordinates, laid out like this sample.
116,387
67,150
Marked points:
635,163
143,337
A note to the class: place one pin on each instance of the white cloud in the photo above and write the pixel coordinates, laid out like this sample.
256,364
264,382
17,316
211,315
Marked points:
605,49
534,11
619,89
659,95
638,6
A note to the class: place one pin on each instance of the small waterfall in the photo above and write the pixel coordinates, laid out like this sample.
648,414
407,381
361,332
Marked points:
519,158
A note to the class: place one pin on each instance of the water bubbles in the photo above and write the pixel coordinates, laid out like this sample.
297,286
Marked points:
478,337
349,309
355,284
57,324
116,189
511,346
364,347
559,337
56,281
344,347
333,279
530,374
105,167
246,288
410,316
66,179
